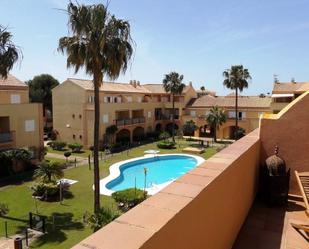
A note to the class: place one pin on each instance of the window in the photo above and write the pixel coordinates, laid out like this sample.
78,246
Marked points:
115,99
73,115
29,125
139,99
15,99
231,114
129,98
105,118
193,113
108,99
91,99
73,136
80,116
149,114
80,136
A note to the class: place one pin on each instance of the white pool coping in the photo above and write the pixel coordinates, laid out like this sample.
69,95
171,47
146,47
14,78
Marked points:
114,172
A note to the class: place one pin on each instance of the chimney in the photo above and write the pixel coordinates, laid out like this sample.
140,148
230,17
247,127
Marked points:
131,82
190,83
134,83
138,83
293,80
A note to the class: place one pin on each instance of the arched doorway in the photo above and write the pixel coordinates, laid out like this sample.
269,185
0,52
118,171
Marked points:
123,136
138,134
158,127
169,128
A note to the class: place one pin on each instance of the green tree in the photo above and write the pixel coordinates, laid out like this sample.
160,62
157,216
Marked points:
172,84
9,52
203,88
110,132
101,44
48,171
215,118
40,90
236,78
189,127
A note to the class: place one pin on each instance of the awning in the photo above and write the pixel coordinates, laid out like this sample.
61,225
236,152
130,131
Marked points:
282,95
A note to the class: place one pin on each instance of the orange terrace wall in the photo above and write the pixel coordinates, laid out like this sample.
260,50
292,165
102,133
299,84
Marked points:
205,208
289,129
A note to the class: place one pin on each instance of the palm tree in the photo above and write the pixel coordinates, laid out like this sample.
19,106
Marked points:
49,171
189,127
203,88
172,84
101,44
215,118
236,79
9,53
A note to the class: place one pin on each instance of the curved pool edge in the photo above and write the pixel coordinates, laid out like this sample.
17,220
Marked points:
114,172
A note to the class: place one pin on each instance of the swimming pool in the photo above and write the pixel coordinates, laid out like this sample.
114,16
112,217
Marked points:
161,170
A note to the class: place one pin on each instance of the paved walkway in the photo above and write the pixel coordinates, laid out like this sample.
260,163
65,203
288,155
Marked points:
79,160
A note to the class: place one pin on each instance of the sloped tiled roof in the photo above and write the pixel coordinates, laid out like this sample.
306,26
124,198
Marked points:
223,101
12,82
290,87
123,87
159,89
111,86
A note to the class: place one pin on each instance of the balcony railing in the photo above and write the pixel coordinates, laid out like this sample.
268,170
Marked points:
6,137
130,121
166,117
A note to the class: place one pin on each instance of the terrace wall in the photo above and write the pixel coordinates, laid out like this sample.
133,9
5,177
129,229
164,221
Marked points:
205,208
289,129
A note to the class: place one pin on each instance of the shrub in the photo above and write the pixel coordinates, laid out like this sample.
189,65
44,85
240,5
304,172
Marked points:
164,135
128,198
75,147
96,221
58,145
47,190
166,145
4,209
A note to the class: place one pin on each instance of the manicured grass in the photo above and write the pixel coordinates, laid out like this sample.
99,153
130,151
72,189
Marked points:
83,153
69,228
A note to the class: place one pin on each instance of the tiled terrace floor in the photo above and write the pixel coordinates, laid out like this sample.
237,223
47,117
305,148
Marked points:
270,227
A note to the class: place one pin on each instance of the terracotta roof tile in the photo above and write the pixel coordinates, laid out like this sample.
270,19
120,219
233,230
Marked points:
11,82
223,101
290,87
158,88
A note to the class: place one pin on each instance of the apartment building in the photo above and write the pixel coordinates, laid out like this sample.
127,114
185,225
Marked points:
21,122
285,93
250,109
134,108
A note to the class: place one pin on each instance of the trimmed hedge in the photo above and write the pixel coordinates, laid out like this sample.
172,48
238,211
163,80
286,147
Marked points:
129,198
58,145
166,145
75,147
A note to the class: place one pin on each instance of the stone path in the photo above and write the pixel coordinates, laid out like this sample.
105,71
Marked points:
79,160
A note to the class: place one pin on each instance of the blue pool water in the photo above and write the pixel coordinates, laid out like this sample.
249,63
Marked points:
159,170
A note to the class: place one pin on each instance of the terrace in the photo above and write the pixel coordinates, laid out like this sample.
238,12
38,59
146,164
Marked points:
209,206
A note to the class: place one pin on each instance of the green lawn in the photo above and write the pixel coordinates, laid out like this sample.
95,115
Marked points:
83,153
69,214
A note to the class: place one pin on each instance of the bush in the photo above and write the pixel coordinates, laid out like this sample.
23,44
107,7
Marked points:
47,190
164,135
75,147
4,209
128,198
97,221
58,145
166,145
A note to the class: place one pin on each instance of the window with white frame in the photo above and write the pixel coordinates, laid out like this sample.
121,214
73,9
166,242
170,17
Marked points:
193,113
29,125
105,118
149,114
91,99
139,99
15,98
129,98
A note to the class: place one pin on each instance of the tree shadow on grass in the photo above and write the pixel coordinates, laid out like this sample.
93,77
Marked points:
57,224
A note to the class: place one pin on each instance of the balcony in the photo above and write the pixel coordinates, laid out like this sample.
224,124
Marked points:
166,117
130,121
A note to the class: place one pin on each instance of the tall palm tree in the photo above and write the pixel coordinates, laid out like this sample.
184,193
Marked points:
172,84
101,44
49,171
215,118
9,52
203,88
236,78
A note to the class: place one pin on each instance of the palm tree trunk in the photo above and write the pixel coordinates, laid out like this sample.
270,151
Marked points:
236,115
96,170
173,119
215,134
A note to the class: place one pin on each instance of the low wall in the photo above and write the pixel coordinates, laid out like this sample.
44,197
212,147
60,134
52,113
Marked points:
205,208
289,129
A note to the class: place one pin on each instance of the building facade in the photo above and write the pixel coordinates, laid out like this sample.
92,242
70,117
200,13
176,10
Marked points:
134,108
21,122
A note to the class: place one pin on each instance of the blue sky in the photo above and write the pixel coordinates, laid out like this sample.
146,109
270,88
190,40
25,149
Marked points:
197,38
